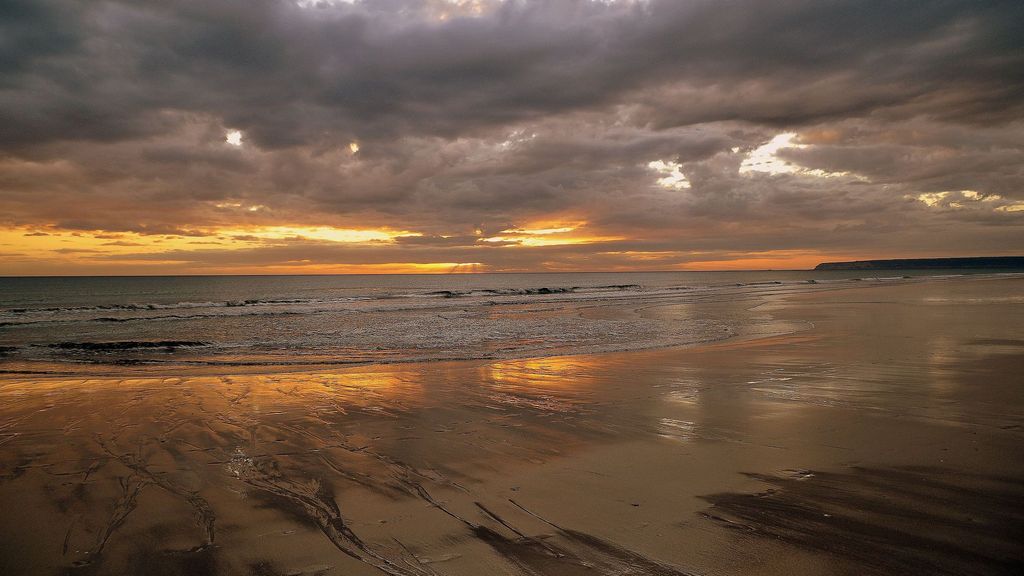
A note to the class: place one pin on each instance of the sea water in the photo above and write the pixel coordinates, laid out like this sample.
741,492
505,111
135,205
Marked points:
343,319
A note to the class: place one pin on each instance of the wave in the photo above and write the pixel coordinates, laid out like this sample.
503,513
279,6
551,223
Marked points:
123,319
135,312
134,307
394,327
180,305
126,307
17,317
543,290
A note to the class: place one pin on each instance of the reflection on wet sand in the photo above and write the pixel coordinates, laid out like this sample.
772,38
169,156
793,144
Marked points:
177,459
878,418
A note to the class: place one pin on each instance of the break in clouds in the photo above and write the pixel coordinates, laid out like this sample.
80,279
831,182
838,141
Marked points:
567,134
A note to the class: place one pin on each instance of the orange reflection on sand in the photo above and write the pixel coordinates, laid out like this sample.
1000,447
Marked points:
555,372
381,387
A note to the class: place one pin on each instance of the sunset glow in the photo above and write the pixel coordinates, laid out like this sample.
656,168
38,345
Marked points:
513,136
519,287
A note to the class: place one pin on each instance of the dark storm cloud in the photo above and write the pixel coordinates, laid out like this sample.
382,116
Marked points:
291,75
473,118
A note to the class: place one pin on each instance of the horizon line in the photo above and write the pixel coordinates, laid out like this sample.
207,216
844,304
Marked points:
401,273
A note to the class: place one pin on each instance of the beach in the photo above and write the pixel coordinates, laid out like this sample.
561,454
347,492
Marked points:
870,427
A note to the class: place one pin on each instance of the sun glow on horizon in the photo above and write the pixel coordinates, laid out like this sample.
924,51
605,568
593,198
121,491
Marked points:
325,233
48,251
338,250
32,245
769,260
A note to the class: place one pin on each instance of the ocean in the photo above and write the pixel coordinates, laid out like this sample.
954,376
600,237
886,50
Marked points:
57,323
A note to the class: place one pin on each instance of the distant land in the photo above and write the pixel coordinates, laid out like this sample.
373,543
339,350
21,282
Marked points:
926,263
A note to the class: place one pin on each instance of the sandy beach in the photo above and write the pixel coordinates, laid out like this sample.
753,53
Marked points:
865,430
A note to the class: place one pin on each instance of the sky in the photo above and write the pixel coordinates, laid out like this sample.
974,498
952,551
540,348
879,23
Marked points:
394,136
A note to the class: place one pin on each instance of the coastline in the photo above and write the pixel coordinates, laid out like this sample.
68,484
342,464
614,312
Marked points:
743,326
708,458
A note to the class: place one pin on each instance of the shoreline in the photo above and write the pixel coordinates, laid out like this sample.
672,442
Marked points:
228,367
796,453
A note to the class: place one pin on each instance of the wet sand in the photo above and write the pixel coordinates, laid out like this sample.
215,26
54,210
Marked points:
874,430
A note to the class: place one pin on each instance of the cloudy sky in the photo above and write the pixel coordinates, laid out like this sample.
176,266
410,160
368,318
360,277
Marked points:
287,136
